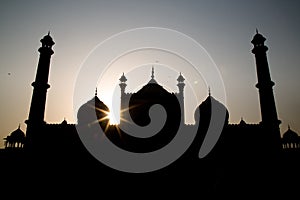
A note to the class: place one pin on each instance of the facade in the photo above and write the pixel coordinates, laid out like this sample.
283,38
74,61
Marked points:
241,144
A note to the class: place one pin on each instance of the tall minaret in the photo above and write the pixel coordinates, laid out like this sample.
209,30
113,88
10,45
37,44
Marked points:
40,86
181,85
265,88
124,98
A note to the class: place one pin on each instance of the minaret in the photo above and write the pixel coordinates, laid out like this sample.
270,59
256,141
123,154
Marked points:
40,86
181,85
124,99
265,88
123,84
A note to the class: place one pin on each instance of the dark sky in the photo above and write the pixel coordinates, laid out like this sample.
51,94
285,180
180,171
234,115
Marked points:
223,28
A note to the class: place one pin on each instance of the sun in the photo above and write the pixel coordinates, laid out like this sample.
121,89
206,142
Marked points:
111,117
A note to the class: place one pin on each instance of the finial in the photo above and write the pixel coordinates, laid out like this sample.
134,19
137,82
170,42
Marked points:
19,126
289,127
152,75
180,78
96,92
123,79
256,31
49,32
209,91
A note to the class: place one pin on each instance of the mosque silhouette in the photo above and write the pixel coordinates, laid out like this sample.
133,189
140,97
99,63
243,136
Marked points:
243,153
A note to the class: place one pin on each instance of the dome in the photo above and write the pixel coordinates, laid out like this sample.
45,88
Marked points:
203,112
151,94
290,135
180,78
151,89
258,38
141,114
123,78
92,111
17,135
47,40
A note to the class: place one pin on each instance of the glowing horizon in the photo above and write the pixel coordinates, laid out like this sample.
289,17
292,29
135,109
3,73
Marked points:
224,29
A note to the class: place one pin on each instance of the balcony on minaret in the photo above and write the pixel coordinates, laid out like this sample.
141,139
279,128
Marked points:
47,41
259,43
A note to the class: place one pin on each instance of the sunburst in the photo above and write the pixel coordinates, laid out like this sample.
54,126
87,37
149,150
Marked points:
125,110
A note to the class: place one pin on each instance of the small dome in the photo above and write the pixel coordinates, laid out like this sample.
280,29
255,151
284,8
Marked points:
47,40
123,78
258,38
17,135
180,78
290,135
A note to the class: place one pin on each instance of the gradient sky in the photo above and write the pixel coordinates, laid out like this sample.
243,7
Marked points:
223,28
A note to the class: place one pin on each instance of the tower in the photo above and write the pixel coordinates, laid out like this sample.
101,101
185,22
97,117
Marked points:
123,84
180,96
124,98
40,85
265,85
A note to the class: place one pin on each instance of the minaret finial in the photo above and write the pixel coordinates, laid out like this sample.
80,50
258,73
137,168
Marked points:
152,75
289,127
49,32
256,31
209,93
96,92
19,126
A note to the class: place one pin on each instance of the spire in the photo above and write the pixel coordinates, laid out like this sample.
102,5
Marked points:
256,31
19,126
49,32
209,93
96,92
152,75
289,127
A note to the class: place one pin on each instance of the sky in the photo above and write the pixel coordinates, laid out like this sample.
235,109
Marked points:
223,29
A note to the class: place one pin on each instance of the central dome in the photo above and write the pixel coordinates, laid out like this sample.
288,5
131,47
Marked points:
149,95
